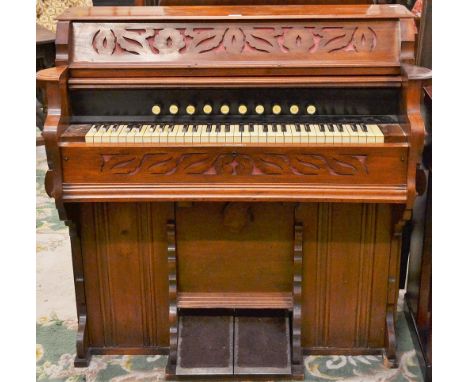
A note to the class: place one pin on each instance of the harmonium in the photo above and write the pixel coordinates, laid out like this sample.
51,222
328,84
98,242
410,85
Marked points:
235,180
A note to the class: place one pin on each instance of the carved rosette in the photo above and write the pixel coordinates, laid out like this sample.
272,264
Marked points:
234,164
123,39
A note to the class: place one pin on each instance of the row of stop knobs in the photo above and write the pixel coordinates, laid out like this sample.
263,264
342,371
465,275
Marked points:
242,109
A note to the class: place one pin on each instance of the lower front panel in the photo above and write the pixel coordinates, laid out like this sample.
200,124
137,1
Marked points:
242,248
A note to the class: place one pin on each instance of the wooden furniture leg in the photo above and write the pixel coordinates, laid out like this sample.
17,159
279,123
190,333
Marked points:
83,354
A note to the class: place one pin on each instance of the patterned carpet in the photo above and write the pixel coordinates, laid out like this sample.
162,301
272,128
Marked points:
56,323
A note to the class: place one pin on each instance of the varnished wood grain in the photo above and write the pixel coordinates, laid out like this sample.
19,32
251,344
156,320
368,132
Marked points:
264,12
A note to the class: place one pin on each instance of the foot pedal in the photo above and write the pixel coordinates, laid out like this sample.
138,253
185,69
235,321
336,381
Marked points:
262,345
205,345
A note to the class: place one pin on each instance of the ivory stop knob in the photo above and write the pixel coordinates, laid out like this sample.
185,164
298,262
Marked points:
259,109
156,109
242,109
190,109
224,109
311,109
173,109
207,109
294,109
276,109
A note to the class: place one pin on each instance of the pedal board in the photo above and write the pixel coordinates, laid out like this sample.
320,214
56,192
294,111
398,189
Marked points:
234,343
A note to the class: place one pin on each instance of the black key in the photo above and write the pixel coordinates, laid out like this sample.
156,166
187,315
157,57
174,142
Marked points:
195,128
218,129
274,129
298,128
283,128
354,128
241,128
340,128
330,128
322,128
208,128
185,128
227,128
251,129
363,127
265,128
307,128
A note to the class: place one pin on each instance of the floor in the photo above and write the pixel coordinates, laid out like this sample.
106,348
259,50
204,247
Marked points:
56,323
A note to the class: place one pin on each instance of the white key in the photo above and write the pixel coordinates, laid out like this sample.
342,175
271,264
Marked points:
345,136
362,136
237,136
148,132
164,133
296,135
155,135
377,133
337,137
205,135
262,133
105,138
246,134
114,137
171,136
254,132
123,134
139,135
180,137
229,134
304,134
221,138
131,134
370,138
319,134
312,135
287,133
89,137
271,136
213,134
196,133
328,133
188,135
279,136
97,138
353,134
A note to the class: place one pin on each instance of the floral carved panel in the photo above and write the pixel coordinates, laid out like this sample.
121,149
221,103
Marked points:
166,43
230,164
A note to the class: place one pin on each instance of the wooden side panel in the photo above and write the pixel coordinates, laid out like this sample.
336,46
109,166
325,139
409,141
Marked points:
125,273
380,274
343,269
345,274
239,247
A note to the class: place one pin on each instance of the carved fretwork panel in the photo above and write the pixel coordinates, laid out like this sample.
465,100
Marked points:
251,165
313,43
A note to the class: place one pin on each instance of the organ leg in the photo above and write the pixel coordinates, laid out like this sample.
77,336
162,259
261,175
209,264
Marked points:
389,353
83,354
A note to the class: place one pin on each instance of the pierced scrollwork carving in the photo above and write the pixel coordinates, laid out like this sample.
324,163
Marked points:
154,40
234,164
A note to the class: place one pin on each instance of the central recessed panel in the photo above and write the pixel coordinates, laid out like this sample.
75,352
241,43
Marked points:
235,247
